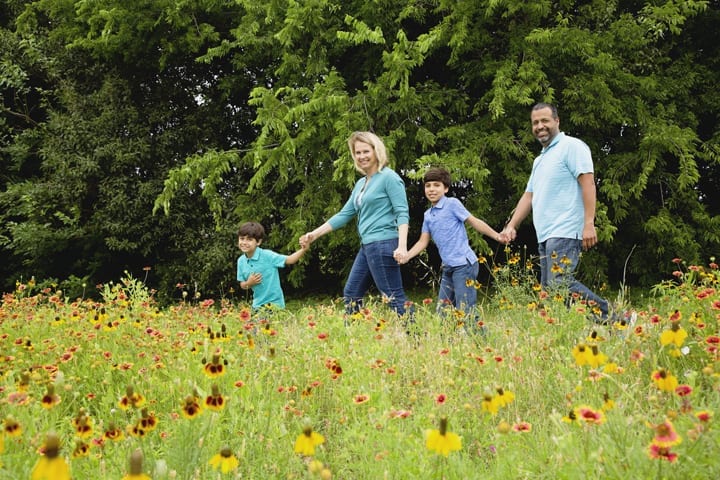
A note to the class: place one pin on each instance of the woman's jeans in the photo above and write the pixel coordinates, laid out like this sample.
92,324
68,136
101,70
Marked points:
375,263
558,260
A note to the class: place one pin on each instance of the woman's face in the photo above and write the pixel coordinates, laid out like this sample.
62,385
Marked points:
365,158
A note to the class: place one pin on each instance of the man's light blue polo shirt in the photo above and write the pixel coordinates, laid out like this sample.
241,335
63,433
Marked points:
557,205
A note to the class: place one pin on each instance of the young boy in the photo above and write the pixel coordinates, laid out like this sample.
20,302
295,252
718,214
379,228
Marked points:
258,268
444,222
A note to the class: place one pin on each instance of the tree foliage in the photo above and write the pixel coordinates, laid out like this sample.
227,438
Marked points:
143,131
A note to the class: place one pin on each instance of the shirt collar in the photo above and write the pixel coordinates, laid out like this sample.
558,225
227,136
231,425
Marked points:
555,140
441,202
256,254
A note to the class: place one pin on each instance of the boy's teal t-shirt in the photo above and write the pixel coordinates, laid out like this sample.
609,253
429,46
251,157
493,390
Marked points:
380,206
267,263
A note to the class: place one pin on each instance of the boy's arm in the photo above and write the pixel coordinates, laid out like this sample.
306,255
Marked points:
483,227
295,257
419,246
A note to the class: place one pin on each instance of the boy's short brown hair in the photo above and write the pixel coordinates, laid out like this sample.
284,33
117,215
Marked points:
437,174
252,230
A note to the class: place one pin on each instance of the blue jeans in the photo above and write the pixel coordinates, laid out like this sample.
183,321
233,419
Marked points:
454,288
375,263
558,261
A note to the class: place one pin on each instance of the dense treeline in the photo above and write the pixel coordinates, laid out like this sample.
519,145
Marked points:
140,133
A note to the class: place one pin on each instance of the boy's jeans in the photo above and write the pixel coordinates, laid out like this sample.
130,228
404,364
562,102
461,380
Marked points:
457,289
552,251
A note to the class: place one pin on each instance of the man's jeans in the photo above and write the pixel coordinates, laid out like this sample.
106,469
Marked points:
558,260
375,263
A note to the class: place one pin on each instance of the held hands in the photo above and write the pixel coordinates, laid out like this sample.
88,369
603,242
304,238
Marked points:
306,240
507,235
401,256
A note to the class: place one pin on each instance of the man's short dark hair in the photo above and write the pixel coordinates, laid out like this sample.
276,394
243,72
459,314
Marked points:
541,105
437,174
252,230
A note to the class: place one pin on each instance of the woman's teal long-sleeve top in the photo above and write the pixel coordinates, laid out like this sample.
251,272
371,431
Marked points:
380,206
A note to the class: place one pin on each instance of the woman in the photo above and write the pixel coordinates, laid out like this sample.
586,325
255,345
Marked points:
380,204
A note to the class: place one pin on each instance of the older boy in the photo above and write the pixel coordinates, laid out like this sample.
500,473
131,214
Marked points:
444,222
258,268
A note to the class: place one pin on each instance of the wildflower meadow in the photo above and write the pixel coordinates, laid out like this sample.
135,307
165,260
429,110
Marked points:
120,388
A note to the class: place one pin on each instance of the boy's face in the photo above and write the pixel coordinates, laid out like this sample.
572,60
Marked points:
434,191
248,245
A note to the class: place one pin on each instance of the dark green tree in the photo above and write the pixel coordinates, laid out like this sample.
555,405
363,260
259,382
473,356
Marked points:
142,132
452,83
127,101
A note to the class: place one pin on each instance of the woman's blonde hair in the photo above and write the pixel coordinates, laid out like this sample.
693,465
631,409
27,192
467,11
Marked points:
372,140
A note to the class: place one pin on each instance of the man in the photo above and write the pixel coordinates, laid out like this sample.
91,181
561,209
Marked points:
561,195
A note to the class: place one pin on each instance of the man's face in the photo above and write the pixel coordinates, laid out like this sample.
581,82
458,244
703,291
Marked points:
544,126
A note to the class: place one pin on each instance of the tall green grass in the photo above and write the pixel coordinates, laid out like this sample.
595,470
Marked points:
369,388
